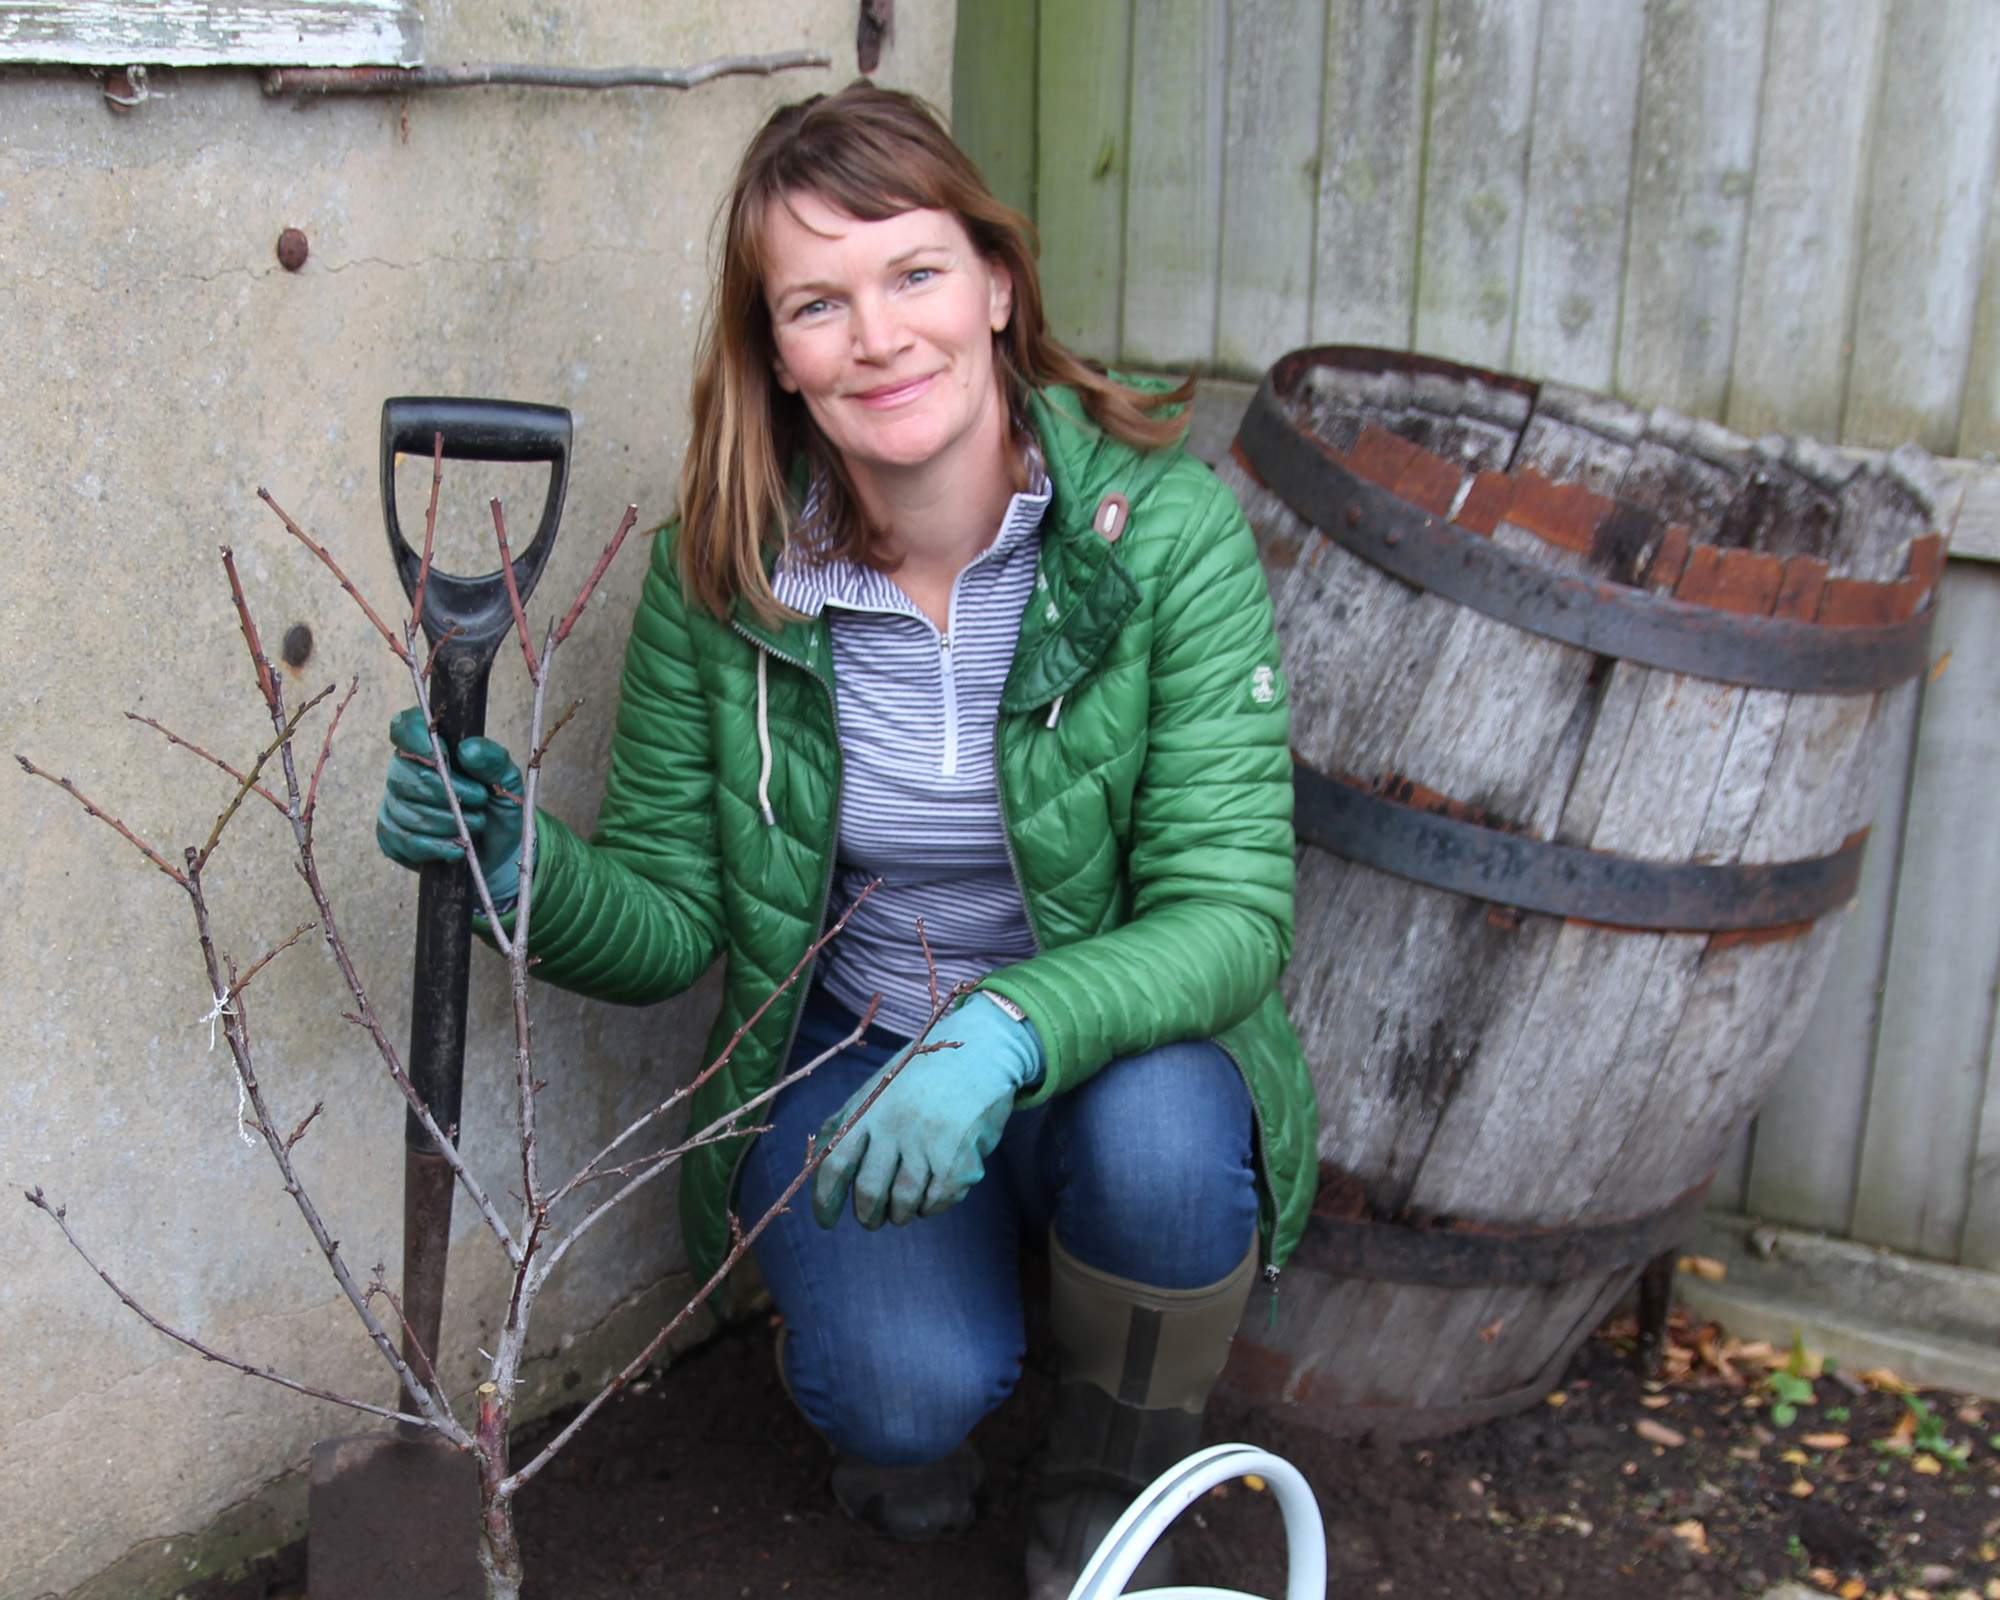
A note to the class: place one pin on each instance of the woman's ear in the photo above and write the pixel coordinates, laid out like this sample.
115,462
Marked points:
1002,296
784,376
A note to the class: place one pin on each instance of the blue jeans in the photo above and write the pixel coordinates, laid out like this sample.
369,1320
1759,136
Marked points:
900,1340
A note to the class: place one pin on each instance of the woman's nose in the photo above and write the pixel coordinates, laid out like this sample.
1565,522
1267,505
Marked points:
877,330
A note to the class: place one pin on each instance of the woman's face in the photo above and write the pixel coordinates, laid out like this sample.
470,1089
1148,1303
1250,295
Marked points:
885,330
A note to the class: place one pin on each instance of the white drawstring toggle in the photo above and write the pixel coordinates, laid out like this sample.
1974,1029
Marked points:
764,737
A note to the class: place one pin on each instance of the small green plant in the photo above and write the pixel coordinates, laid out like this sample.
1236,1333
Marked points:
1836,1413
1791,1385
1931,1436
1796,1549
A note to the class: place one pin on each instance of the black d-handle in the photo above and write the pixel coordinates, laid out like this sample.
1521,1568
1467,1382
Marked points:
474,430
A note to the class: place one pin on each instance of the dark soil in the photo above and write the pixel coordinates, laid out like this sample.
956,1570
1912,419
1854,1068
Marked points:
707,1486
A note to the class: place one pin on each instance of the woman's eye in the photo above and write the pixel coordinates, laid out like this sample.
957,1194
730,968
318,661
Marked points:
812,308
920,275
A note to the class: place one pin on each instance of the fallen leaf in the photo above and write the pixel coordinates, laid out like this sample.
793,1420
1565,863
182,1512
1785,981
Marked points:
1692,1534
1943,662
1993,1589
1824,1441
1492,1329
1801,1490
1744,1452
1990,1553
1853,1589
1925,1464
1903,1437
1654,1402
1797,1458
1707,1268
1253,1483
1825,1577
1558,1399
1883,1378
1658,1433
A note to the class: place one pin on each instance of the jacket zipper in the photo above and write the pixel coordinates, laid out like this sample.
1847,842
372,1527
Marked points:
826,884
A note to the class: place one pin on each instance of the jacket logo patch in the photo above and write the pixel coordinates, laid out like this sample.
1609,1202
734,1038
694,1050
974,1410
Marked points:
1263,686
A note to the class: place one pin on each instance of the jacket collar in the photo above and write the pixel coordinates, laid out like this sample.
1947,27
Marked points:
1083,591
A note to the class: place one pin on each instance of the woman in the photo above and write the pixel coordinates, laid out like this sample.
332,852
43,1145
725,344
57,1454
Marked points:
947,608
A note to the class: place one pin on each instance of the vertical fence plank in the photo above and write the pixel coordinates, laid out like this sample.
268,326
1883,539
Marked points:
1579,190
1080,164
1979,410
1378,68
1475,177
1944,951
1270,180
1173,198
1930,179
1808,1144
1979,1246
1695,151
993,95
1793,317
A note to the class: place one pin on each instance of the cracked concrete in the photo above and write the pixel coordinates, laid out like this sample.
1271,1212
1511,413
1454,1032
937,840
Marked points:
156,367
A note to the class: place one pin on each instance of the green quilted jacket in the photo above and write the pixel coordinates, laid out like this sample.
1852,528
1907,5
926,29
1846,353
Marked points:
1150,817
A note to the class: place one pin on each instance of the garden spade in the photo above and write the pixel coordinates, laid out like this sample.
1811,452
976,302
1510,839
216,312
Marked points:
394,1516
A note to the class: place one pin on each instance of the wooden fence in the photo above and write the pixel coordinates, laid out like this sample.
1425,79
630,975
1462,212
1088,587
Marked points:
1771,212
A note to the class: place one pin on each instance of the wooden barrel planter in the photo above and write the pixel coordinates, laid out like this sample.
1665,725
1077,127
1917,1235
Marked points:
1588,707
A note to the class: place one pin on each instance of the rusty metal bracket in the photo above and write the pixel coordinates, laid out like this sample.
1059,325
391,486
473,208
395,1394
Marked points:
1610,619
1469,1256
1559,880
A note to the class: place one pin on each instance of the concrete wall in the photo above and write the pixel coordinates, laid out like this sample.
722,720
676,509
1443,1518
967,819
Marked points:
156,366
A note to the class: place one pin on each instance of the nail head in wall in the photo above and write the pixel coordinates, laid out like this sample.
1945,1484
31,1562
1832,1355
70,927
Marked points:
298,647
292,249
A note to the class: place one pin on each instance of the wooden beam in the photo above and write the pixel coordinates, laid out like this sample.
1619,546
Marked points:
211,33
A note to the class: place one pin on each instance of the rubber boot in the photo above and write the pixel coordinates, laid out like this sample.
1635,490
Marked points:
914,1505
1137,1365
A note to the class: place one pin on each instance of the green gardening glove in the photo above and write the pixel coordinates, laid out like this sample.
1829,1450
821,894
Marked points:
414,824
923,1145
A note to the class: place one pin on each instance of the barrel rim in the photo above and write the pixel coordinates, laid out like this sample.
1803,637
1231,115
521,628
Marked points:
1439,556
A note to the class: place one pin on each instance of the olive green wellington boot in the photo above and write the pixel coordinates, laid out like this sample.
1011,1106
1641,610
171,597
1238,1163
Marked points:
1137,1365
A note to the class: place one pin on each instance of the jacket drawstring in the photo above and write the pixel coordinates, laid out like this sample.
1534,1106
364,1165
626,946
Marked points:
764,737
1055,711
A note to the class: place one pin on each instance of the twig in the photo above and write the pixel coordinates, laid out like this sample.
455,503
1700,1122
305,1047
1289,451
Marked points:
426,1369
400,80
105,817
430,532
266,679
744,1241
299,1132
542,749
930,962
268,957
283,741
326,748
514,593
587,1172
597,573
214,761
444,639
58,1214
333,566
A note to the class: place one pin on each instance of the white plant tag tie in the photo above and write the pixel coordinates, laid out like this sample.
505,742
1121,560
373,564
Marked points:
222,1008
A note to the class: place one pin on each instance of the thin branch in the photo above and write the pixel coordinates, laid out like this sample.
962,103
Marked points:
243,789
267,680
597,573
214,761
299,1132
444,639
105,817
814,1156
236,1029
542,749
430,532
333,566
326,747
37,1199
410,1340
930,962
266,959
514,593
587,1172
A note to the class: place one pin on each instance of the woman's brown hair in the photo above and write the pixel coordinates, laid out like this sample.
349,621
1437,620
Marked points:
872,153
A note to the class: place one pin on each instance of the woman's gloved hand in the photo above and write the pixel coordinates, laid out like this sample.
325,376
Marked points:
415,825
924,1144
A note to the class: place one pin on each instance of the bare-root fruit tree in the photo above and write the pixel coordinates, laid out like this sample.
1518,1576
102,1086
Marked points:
537,1220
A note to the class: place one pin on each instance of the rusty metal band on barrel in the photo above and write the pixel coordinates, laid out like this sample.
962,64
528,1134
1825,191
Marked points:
1607,618
1511,869
1472,1257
